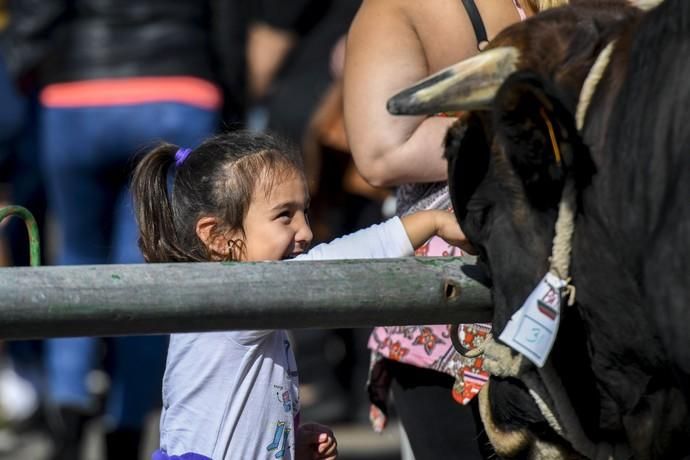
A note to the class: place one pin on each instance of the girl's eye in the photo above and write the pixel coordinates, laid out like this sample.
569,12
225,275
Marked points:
284,215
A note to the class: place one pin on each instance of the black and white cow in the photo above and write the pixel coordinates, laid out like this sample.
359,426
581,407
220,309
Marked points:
585,107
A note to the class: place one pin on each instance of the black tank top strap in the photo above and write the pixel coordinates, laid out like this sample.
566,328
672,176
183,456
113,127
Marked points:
477,23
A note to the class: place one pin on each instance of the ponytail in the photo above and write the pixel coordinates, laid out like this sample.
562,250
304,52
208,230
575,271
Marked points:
158,238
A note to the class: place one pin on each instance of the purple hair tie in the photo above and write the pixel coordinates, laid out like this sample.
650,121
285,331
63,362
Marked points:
181,155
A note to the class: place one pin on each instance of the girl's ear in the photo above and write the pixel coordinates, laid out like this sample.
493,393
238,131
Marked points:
216,243
220,245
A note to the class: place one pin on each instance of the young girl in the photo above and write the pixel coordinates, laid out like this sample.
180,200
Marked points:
243,196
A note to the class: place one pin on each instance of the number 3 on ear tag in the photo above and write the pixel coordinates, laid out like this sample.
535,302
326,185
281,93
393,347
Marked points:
532,329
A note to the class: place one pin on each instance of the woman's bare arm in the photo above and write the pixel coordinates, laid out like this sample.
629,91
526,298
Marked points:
384,55
391,45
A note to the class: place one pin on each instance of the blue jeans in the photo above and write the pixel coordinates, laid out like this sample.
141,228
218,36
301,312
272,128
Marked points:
13,107
87,159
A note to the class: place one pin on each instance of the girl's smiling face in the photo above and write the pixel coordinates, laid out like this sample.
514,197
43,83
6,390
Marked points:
276,226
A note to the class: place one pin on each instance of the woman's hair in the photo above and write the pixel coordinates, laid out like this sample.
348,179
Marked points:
216,179
541,5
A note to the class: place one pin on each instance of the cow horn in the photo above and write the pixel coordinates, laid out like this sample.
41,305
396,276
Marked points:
468,85
645,4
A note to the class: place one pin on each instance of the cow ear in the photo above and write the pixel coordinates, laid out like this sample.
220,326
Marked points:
467,152
537,133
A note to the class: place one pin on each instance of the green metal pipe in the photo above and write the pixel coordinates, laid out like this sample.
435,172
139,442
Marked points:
31,227
102,300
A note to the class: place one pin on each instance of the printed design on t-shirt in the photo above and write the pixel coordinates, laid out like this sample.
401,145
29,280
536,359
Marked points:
289,359
280,440
291,375
428,339
285,401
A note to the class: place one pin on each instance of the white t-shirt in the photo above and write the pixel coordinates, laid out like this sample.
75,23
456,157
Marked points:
234,395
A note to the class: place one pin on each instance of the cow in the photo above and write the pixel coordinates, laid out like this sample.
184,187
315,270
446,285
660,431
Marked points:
577,119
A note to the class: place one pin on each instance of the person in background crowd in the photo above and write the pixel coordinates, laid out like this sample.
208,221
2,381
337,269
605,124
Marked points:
21,183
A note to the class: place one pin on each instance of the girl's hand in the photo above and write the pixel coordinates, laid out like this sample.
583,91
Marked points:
447,227
422,225
315,442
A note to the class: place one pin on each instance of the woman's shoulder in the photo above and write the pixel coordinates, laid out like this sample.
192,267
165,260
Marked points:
443,27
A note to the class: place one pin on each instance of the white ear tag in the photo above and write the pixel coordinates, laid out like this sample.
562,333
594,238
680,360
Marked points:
532,329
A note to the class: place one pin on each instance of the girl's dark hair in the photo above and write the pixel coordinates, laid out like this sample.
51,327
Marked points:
217,179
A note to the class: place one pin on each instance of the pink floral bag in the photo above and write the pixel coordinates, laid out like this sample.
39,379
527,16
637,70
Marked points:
427,347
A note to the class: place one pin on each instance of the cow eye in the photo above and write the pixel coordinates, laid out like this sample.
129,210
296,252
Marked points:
476,220
479,212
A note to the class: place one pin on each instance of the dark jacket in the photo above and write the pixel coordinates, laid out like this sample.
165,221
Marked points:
52,41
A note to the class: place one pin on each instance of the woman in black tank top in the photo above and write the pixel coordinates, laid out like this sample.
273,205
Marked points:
392,44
